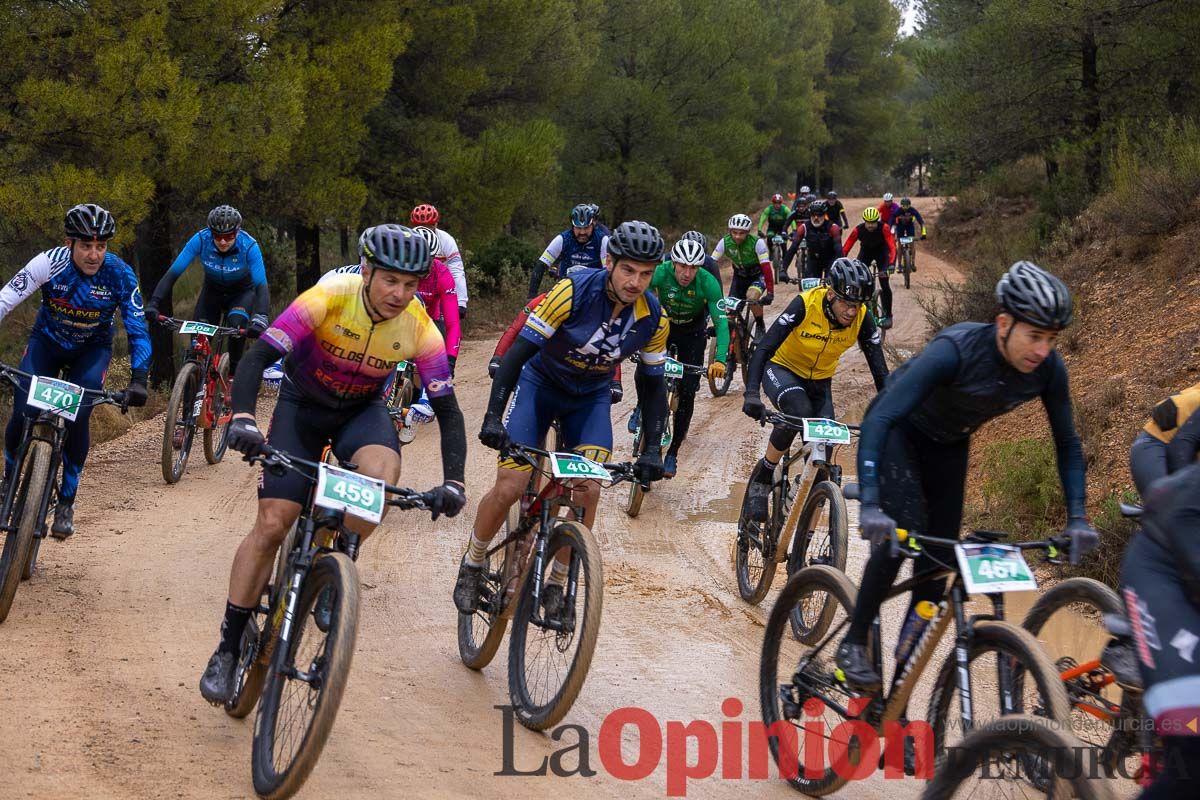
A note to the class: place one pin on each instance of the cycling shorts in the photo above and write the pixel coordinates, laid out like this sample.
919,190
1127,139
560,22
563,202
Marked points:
1147,461
585,420
302,427
217,303
796,397
740,284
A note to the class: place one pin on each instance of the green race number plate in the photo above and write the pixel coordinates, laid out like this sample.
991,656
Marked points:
672,368
573,465
825,430
988,568
809,283
906,240
341,490
57,397
202,328
401,366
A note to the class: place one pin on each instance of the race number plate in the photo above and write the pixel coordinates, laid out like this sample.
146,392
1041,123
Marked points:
825,430
809,283
401,366
988,568
906,240
202,328
57,397
672,368
728,304
341,490
573,465
777,239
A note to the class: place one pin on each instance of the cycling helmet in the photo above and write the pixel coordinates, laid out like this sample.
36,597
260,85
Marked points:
811,198
870,214
740,222
687,252
424,214
698,237
805,190
887,197
224,220
583,215
636,240
818,207
905,202
776,198
431,238
831,194
851,280
89,221
395,248
1033,295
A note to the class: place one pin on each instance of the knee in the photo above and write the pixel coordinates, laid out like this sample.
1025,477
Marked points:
509,485
272,523
588,493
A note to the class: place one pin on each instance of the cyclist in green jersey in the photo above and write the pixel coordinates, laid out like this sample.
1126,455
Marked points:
689,295
774,222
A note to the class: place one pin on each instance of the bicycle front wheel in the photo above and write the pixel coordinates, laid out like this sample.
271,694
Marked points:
306,681
820,538
549,654
217,437
755,547
34,477
180,422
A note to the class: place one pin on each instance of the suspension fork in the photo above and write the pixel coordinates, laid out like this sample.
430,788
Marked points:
962,652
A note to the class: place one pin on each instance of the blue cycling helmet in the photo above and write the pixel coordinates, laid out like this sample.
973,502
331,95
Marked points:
583,215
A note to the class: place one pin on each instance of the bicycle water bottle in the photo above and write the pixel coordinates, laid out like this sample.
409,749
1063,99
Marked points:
913,627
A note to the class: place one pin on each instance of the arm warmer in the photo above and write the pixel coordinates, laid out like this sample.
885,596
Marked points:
452,428
1071,470
508,373
245,389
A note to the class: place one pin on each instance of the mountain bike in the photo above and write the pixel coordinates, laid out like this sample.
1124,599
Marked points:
802,258
200,397
299,642
906,256
399,397
776,243
811,503
874,307
673,371
548,655
744,337
798,666
31,493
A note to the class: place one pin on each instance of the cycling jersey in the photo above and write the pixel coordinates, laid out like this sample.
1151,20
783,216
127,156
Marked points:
774,219
957,383
874,245
448,252
565,251
687,306
904,221
580,341
77,310
339,357
808,344
824,244
887,211
837,213
514,330
1171,414
749,259
240,265
434,292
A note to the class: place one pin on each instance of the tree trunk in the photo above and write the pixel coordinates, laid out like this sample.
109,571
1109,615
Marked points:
345,234
1091,113
308,256
153,254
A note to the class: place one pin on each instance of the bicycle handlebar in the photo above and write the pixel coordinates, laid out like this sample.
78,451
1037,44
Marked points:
222,330
621,470
279,462
101,396
779,418
687,368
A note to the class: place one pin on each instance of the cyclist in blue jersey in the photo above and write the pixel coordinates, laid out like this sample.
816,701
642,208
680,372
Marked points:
82,286
578,247
235,281
560,366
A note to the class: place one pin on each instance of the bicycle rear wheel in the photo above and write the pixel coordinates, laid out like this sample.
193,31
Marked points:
306,682
33,475
755,547
480,634
820,538
908,260
216,438
180,418
547,666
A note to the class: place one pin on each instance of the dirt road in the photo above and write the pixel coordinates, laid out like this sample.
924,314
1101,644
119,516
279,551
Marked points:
104,647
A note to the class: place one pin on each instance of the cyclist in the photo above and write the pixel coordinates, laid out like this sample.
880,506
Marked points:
836,210
601,228
580,246
690,296
1160,581
904,220
752,278
912,453
888,209
876,243
1169,441
560,366
710,263
823,240
342,339
83,285
772,222
798,357
235,281
427,215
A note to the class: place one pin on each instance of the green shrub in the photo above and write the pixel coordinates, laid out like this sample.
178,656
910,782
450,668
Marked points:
1155,178
1021,489
1104,564
498,274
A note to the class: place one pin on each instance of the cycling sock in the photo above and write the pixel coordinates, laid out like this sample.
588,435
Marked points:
763,470
558,573
476,552
232,628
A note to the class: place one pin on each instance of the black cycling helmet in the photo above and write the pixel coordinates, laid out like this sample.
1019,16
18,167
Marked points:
583,215
831,194
396,248
224,219
1033,295
636,240
905,202
851,280
697,236
89,221
818,207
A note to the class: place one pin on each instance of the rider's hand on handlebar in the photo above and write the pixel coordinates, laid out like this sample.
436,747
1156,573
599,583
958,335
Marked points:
649,466
616,392
768,298
258,326
493,365
493,434
1084,538
716,371
875,525
752,406
135,394
245,437
448,499
151,312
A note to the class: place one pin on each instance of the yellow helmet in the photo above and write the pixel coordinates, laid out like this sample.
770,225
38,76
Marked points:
870,214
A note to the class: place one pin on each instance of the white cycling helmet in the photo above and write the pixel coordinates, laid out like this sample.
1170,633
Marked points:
740,222
887,197
805,190
687,252
431,238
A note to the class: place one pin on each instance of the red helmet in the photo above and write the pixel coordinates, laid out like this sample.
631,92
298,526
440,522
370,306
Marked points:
424,214
776,198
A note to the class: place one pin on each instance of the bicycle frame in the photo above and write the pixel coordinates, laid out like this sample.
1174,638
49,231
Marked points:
48,428
810,475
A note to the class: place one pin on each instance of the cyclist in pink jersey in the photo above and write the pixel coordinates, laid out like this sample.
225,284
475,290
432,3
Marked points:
438,293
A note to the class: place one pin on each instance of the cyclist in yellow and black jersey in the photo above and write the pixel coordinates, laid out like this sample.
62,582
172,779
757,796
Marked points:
798,356
1169,441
